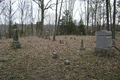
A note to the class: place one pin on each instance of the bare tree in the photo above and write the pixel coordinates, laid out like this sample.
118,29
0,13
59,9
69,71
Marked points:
92,13
110,12
31,18
55,21
27,17
43,8
103,16
59,14
10,15
96,12
22,5
71,6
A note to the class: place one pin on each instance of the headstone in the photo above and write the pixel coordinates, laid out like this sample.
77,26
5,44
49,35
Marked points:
16,43
82,45
66,42
54,55
104,43
66,62
60,41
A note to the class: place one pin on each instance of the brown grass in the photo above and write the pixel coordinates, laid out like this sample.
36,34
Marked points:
34,60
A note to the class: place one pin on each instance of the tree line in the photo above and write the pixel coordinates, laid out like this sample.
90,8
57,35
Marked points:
97,12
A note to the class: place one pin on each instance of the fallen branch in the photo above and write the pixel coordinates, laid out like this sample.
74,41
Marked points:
116,48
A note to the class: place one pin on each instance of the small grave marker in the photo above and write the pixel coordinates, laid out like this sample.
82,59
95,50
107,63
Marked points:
60,41
54,55
16,43
82,45
66,62
66,42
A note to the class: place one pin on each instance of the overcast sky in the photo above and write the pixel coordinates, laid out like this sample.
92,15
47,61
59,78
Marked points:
49,14
79,11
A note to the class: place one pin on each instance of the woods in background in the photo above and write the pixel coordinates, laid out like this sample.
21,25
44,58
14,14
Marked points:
93,15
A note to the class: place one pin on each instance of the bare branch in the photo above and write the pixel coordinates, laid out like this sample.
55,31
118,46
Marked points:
3,10
1,1
50,6
14,12
38,3
48,3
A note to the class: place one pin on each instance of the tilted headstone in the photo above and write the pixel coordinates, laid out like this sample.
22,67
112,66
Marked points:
82,45
104,43
16,43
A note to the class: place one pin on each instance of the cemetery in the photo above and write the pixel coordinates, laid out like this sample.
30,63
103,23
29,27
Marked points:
59,39
41,58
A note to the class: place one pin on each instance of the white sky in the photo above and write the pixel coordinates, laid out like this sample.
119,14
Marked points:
49,14
79,11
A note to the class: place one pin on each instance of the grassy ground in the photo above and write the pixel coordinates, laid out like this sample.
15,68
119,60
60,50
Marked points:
34,60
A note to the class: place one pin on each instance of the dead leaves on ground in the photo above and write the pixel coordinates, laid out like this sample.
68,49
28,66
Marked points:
34,59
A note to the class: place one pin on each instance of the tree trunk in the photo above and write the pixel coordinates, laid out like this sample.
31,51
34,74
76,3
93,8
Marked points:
85,11
87,17
92,22
22,21
25,30
59,15
42,18
10,22
55,21
103,17
96,15
107,13
114,16
32,28
31,18
110,17
100,16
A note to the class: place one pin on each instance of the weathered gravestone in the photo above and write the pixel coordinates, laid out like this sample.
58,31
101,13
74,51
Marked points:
82,45
104,43
16,43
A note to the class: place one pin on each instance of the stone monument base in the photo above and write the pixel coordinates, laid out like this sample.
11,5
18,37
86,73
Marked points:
104,51
16,44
